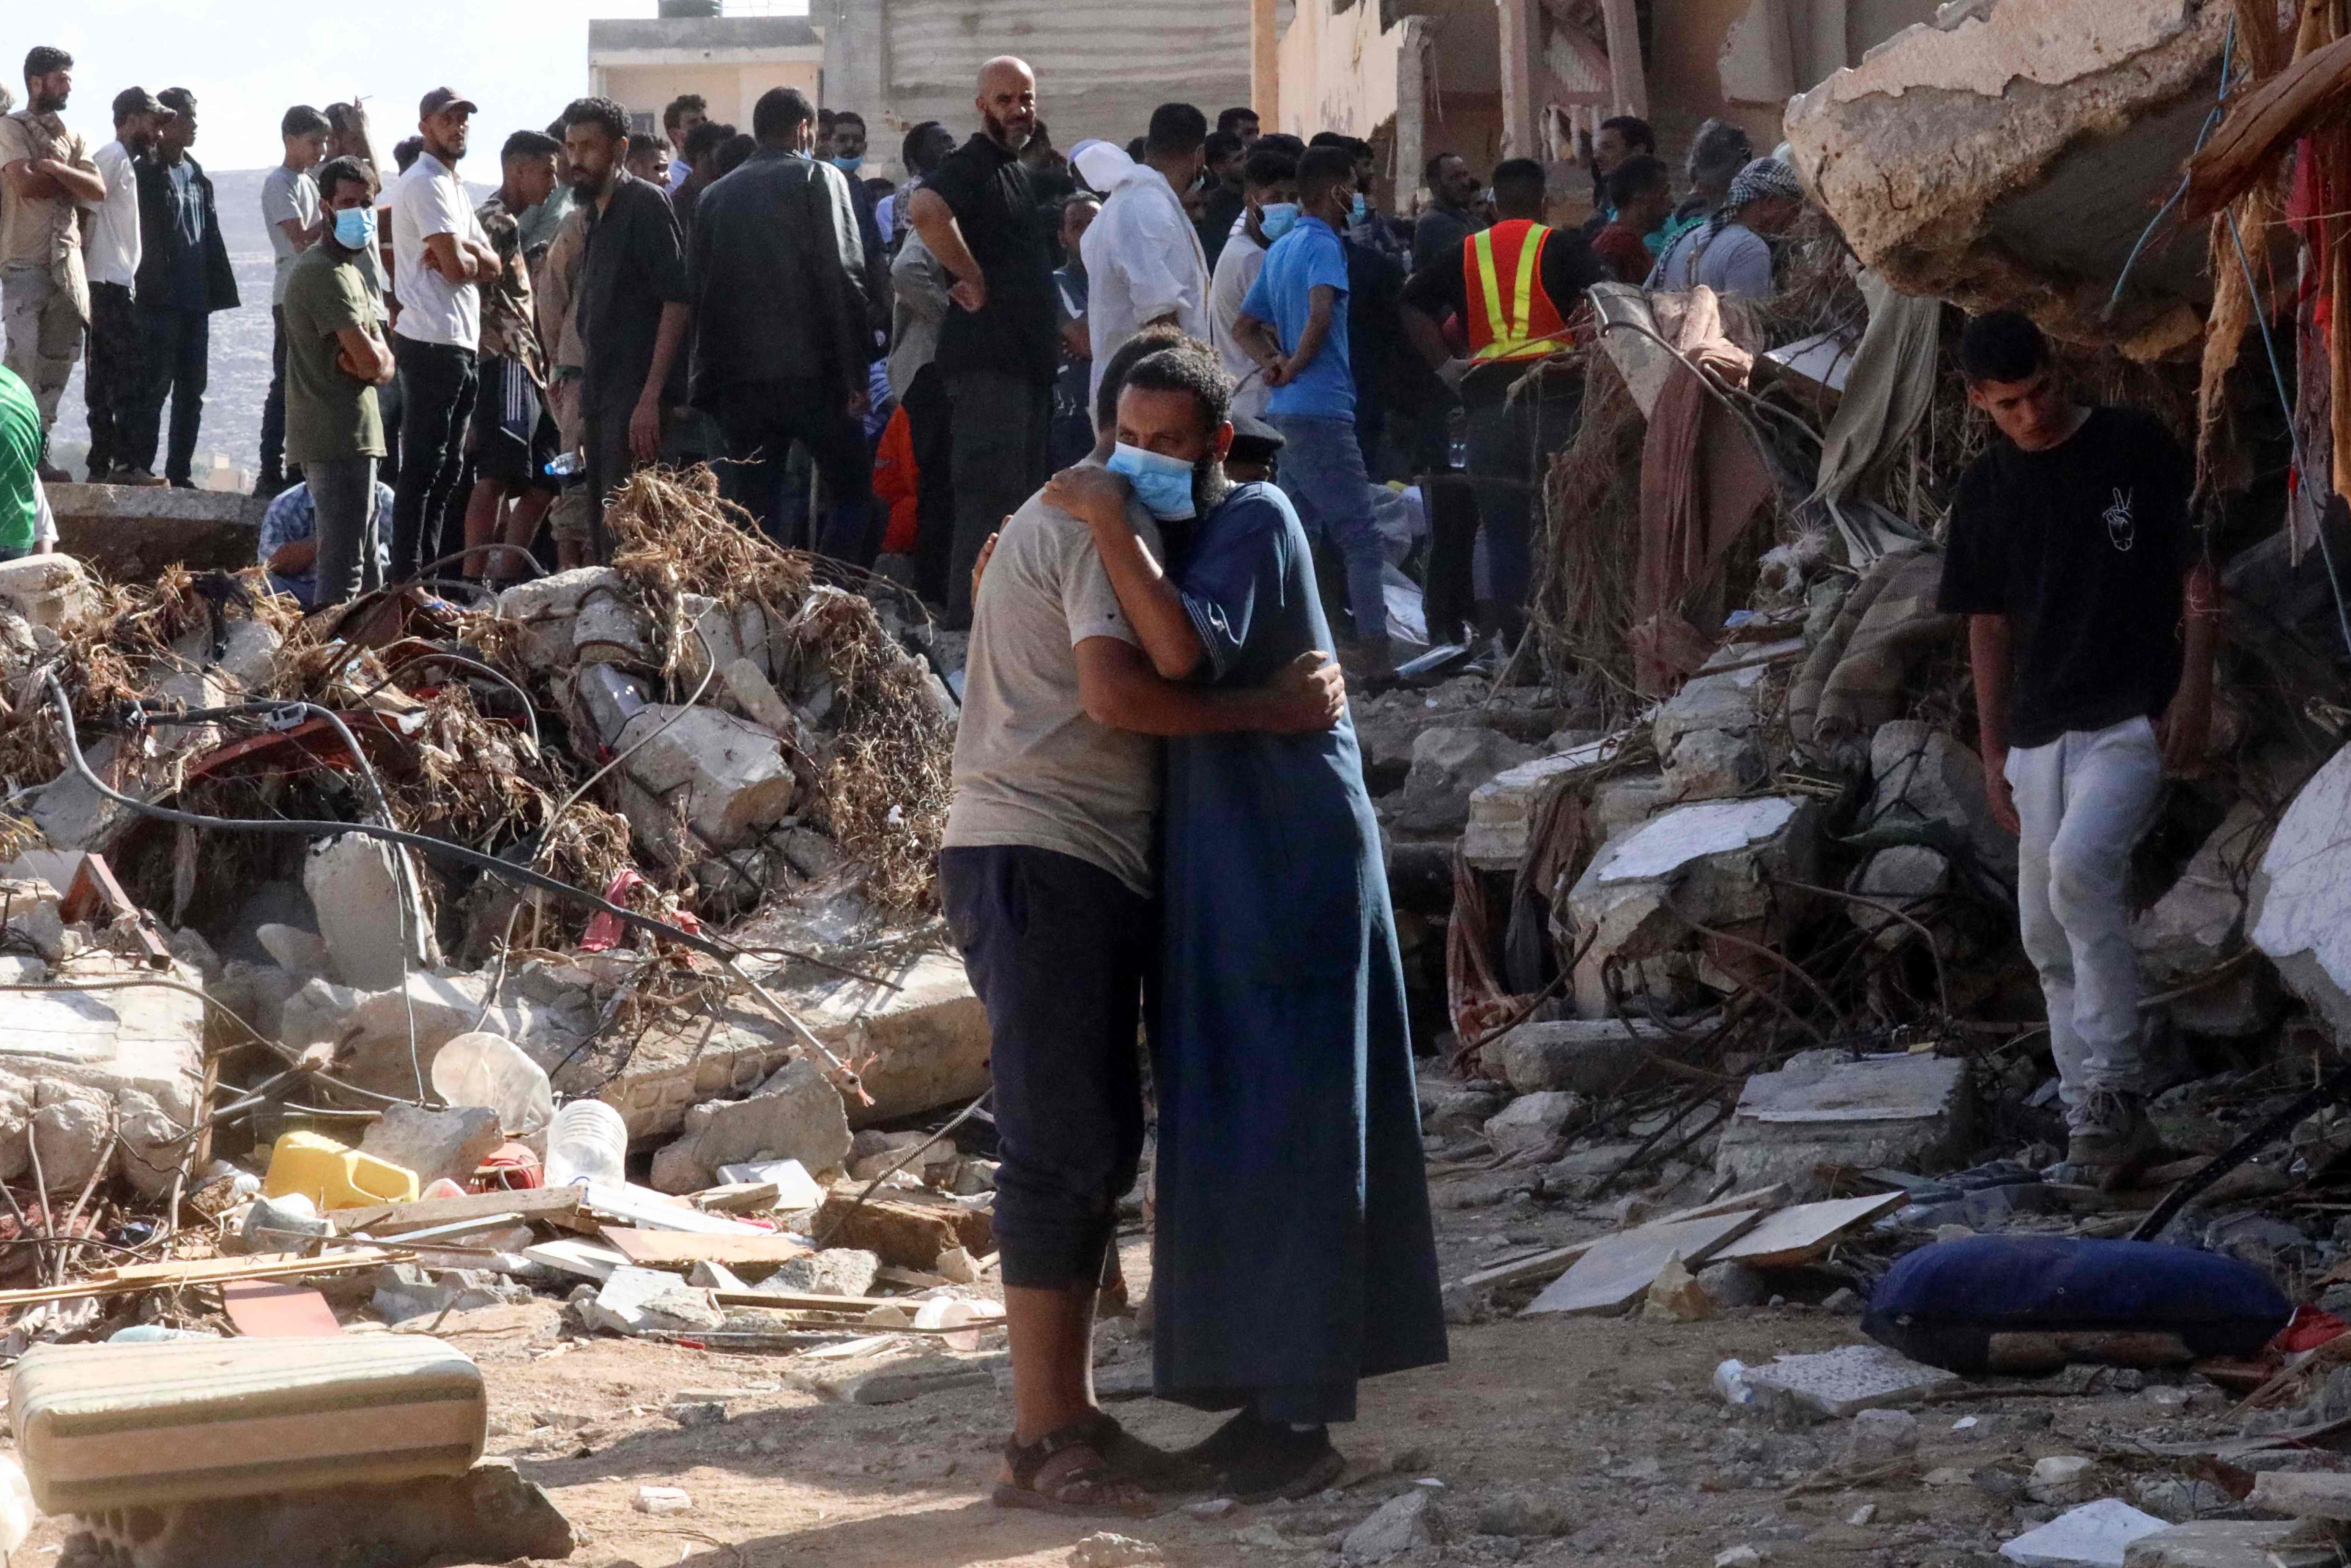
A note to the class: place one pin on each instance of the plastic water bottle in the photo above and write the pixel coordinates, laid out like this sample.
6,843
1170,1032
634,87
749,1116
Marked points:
1457,440
566,465
490,1070
587,1143
1731,1382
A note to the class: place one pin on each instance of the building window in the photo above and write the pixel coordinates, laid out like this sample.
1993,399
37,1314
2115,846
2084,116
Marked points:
642,124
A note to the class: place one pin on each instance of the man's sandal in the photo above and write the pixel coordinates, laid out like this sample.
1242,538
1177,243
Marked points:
1153,1468
1089,1488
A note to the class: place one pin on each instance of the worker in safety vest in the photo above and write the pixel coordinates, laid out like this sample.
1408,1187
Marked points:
1516,289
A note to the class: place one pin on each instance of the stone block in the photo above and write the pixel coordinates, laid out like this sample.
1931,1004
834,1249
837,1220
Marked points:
2299,912
2009,154
437,1145
131,534
1412,1522
360,894
921,1045
405,1291
1844,1381
1449,765
1920,774
1900,878
1626,802
367,1031
706,781
635,1299
1713,863
46,590
835,1272
1532,1120
2200,922
1724,701
1502,809
546,607
1824,1108
1591,1056
797,1114
1712,765
78,1068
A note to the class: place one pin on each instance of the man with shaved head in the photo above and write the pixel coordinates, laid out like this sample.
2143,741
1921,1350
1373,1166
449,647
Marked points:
999,346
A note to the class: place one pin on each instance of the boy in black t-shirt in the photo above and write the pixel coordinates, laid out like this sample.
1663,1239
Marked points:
2091,630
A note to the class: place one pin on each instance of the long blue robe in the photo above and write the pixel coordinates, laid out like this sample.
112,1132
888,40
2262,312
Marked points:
1294,1249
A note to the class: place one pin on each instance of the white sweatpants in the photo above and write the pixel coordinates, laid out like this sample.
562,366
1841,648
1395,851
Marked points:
2085,800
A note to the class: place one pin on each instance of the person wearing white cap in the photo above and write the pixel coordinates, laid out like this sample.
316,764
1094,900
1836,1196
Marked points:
1145,264
1730,253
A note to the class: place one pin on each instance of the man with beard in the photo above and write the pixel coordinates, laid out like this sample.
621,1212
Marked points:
1294,1254
184,278
441,258
634,308
513,439
998,348
44,290
110,250
1046,880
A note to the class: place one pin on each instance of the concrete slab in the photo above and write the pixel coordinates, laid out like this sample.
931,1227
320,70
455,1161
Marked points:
2227,1543
1797,1235
1501,809
2095,1535
2301,908
130,534
1824,1108
1857,1378
1617,1270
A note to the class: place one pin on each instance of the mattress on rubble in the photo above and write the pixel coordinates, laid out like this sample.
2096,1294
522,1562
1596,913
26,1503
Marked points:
105,1427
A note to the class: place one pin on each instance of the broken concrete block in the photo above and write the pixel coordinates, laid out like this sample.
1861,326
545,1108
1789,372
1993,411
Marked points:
704,780
1844,1381
2228,1543
795,1188
1449,765
1104,1548
757,698
2008,155
1450,1110
1402,1524
2200,922
100,1079
2063,1479
368,1031
797,1114
1901,878
609,629
1826,1108
405,1291
835,1272
1713,764
633,1301
1591,1056
1923,775
2096,1535
2317,1494
1502,809
46,590
1674,1296
371,914
2301,904
490,1514
437,1145
921,1042
1725,701
1734,1285
295,950
1714,864
1532,1120
1881,1436
131,533
908,1228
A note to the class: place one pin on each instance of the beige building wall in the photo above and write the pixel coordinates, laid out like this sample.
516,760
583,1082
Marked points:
731,90
1339,72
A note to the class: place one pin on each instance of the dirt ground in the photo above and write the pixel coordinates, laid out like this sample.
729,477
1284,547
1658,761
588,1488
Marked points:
1554,1440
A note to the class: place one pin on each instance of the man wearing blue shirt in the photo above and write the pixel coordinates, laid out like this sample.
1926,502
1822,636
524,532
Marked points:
1294,325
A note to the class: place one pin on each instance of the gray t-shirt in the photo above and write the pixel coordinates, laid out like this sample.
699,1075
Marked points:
1030,768
286,195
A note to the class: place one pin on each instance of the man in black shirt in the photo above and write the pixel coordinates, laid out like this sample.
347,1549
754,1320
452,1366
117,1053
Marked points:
1511,440
634,307
2091,629
998,348
780,349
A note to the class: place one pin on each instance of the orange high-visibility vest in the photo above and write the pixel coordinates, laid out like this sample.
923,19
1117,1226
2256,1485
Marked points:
1510,316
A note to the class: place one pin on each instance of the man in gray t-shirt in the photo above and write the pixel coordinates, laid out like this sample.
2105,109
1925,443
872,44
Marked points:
296,219
1046,878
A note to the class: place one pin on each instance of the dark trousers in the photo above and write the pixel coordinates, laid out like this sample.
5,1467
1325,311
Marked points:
930,421
760,420
112,381
1056,948
1001,424
1511,448
438,381
1451,588
176,357
604,444
343,489
272,407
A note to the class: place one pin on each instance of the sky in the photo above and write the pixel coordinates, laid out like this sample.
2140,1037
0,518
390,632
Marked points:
249,60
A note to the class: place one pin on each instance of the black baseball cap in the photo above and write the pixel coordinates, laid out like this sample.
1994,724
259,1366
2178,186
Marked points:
137,101
1254,440
442,99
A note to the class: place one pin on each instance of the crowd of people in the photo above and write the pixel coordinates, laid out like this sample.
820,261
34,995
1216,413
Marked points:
876,368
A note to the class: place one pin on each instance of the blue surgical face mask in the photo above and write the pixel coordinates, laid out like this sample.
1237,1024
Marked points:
1278,218
355,228
1361,209
849,165
1164,484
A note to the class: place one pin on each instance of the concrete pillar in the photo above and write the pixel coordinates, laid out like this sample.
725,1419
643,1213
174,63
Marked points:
1520,138
1628,76
1265,64
1412,107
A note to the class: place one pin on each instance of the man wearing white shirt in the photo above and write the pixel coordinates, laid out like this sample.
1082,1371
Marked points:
1143,261
110,250
1268,211
441,256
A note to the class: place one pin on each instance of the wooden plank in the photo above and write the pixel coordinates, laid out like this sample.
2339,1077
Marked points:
546,1205
741,1197
1618,1269
194,1272
671,1248
1794,1237
793,1302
